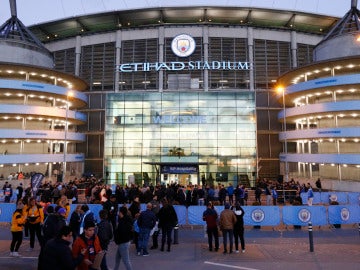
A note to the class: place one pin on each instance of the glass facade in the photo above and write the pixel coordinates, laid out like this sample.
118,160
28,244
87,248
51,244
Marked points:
182,136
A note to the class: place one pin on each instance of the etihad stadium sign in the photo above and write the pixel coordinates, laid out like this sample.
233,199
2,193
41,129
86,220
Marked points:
183,46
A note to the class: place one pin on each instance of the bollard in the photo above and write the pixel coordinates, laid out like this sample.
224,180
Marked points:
176,234
311,242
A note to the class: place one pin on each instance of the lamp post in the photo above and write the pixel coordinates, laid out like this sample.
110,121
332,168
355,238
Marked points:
282,90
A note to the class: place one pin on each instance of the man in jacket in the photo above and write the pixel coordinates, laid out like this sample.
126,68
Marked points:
122,237
146,222
57,253
211,216
226,223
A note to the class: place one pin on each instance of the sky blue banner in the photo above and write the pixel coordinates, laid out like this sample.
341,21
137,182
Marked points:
195,215
354,198
324,197
262,215
181,214
344,214
6,211
302,215
317,197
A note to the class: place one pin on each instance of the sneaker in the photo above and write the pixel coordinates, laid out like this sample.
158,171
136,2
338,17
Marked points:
139,253
243,251
236,251
16,254
146,254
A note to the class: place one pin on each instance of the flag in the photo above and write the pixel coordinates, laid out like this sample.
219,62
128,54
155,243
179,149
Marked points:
36,181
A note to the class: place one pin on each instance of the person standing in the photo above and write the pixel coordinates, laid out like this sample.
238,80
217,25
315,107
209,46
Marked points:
35,216
274,195
239,228
310,195
146,222
112,208
226,223
17,224
19,190
122,237
75,220
155,208
89,241
318,185
105,234
210,216
167,221
268,195
57,253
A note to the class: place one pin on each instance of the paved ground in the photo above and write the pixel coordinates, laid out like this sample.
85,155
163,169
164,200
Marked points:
268,248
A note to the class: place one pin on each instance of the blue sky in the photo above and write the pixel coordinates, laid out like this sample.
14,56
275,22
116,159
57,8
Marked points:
37,11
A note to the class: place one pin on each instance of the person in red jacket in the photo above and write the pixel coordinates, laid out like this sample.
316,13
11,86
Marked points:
90,241
211,217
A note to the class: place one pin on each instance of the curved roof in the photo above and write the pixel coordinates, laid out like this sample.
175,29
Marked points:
209,15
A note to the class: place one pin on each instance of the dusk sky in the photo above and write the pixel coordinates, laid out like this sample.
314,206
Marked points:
37,11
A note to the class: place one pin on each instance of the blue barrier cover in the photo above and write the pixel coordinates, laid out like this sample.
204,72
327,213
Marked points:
6,211
262,215
354,198
344,214
302,215
181,214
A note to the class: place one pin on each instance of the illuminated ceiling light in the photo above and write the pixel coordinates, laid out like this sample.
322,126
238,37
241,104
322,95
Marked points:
317,71
16,141
328,92
352,90
332,164
20,95
28,141
145,82
341,115
326,69
2,165
356,140
128,23
354,114
17,117
56,35
7,94
14,165
318,94
38,141
343,140
33,73
338,67
26,164
42,97
345,165
6,117
331,140
350,66
82,30
357,166
122,82
339,91
96,83
10,71
37,164
3,141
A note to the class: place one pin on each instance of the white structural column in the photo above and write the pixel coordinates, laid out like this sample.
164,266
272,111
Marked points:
77,55
294,49
117,58
161,57
250,38
206,56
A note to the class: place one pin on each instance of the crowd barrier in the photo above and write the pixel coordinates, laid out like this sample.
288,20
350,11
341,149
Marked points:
254,215
340,197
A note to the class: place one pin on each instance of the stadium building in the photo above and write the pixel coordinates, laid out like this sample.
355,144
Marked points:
186,93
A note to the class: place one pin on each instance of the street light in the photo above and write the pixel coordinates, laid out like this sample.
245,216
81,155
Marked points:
69,94
282,90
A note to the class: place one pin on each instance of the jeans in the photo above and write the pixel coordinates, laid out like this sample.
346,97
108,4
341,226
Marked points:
239,233
213,232
225,236
144,236
123,253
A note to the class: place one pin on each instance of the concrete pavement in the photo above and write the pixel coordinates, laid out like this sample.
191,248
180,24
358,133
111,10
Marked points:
268,248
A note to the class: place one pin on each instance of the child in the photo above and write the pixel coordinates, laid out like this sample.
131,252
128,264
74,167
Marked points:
17,225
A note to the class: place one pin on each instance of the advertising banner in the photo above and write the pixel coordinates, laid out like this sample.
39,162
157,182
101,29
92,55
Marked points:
302,215
344,214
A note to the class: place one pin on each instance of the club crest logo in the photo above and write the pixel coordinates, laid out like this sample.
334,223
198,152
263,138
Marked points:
257,215
183,45
304,215
345,214
333,198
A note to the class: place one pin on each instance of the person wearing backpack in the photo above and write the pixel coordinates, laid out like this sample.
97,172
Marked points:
122,237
